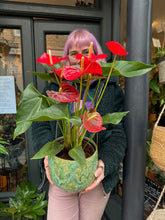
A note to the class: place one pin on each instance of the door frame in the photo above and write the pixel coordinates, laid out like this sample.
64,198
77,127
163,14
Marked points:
25,26
106,12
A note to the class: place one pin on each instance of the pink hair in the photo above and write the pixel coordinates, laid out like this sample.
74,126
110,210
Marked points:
81,37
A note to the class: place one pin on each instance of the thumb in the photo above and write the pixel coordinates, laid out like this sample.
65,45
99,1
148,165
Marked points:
98,172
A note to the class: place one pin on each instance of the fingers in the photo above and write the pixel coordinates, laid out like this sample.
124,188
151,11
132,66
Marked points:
99,174
46,165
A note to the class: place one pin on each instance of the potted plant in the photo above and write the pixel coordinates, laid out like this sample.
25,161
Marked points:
26,203
55,107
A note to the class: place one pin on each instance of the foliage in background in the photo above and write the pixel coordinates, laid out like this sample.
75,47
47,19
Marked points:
26,203
2,148
157,90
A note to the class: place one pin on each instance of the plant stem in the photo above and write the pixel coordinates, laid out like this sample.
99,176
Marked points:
91,137
78,107
106,83
96,92
69,133
82,136
86,92
63,131
56,76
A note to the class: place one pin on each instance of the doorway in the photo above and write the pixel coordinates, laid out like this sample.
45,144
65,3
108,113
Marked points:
22,41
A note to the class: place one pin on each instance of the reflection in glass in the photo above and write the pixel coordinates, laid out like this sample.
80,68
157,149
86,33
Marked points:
55,43
13,167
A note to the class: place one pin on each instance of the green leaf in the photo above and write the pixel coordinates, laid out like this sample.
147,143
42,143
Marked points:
57,66
3,206
113,118
35,107
127,68
50,148
26,192
21,128
154,86
52,113
43,76
77,154
3,149
75,120
162,102
26,202
3,142
13,203
31,102
30,216
46,67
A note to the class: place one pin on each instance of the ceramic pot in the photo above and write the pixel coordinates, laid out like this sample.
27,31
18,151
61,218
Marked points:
69,175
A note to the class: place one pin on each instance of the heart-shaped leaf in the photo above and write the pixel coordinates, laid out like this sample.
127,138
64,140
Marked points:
43,76
127,68
113,118
35,107
77,154
50,148
75,121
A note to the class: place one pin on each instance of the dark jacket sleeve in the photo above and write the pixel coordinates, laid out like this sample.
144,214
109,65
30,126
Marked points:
112,141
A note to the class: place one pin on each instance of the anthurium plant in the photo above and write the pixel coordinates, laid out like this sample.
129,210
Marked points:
55,106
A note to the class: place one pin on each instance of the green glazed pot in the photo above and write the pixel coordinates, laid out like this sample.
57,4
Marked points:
69,175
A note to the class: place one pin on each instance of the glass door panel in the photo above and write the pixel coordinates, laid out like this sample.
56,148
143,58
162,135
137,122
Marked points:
13,167
55,43
52,35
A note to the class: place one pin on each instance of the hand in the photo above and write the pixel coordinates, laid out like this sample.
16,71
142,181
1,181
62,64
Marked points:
99,174
46,165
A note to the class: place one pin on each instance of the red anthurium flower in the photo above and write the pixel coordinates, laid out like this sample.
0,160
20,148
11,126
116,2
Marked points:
116,48
68,93
46,58
92,58
71,72
92,121
58,72
92,67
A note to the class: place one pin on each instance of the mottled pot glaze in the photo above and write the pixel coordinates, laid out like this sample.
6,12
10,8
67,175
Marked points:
70,175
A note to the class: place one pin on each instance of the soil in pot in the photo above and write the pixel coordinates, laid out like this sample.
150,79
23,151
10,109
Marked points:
89,151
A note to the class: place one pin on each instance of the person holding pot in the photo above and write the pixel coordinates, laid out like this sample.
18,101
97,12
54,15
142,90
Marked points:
90,203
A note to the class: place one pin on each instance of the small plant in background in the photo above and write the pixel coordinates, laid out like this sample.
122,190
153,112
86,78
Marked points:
159,55
157,89
26,203
2,148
